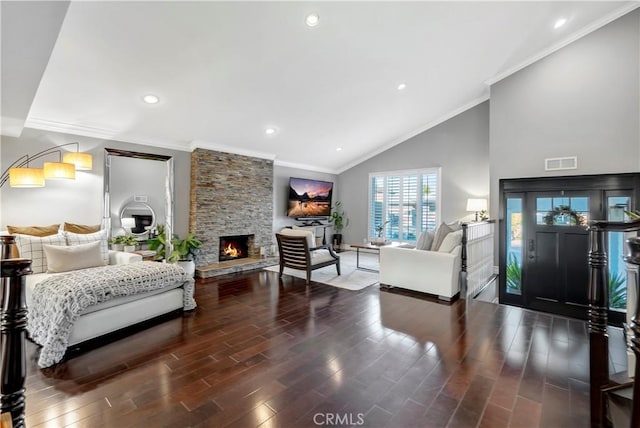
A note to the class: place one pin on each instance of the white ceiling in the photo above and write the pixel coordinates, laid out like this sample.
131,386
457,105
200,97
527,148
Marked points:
225,71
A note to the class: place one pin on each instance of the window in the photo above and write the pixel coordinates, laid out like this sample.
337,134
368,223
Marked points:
405,202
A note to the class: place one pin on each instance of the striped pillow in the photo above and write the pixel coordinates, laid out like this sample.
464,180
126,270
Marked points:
30,247
85,238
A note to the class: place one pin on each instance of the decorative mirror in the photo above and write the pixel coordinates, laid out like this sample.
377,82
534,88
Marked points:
137,218
138,193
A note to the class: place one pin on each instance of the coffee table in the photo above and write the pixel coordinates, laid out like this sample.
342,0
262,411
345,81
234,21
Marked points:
376,248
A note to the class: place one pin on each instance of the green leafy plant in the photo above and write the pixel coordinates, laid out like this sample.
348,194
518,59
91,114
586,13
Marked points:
617,291
338,218
117,240
129,240
514,275
183,249
380,228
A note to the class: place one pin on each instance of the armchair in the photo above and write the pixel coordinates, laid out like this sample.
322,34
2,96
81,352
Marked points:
298,251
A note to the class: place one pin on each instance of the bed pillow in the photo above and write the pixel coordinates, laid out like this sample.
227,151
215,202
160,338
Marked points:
84,238
65,258
451,241
442,231
425,240
80,228
30,247
34,230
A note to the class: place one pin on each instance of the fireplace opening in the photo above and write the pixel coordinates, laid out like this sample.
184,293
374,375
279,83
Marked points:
234,247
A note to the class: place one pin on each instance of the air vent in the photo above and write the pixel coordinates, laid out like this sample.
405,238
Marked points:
555,164
140,198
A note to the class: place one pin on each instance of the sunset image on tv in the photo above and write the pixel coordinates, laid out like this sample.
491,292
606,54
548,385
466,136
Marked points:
309,198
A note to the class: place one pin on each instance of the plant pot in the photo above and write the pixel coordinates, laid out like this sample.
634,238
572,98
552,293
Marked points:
336,239
189,266
129,248
117,247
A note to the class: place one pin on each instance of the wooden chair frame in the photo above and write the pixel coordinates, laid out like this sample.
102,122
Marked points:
295,253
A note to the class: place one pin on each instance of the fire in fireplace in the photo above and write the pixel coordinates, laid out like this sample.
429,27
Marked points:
234,247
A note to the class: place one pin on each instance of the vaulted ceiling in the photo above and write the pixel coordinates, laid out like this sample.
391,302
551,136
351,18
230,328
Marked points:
226,72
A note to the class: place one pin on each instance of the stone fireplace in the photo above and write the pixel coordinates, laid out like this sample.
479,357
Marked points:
234,247
231,195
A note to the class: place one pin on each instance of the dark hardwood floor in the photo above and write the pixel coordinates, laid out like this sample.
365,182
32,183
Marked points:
257,352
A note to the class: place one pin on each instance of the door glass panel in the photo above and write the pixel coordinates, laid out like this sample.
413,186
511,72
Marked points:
514,246
616,206
562,211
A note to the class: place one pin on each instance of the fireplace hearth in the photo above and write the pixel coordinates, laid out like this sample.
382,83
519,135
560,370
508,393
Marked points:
234,247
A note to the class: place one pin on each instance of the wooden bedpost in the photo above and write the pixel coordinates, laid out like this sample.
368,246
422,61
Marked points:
13,329
598,338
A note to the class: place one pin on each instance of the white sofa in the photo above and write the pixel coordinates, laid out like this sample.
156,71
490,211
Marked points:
435,271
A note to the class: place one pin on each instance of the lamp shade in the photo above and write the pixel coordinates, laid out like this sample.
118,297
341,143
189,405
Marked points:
128,223
59,170
82,161
26,177
476,204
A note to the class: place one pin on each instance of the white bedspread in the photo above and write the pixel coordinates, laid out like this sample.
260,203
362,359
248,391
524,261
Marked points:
59,300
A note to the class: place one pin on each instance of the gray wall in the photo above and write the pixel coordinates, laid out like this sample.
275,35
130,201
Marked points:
460,146
582,100
78,201
281,175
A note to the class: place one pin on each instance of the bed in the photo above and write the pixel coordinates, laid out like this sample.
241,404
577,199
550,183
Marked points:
70,307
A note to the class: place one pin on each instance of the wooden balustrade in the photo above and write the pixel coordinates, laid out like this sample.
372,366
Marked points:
13,330
598,307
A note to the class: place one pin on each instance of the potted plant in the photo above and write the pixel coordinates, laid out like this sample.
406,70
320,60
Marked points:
340,221
117,243
380,230
129,242
185,251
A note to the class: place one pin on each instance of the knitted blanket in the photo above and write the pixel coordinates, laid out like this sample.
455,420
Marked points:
58,301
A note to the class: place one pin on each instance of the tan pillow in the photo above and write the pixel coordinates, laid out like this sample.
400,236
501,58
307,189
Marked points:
80,228
81,256
34,230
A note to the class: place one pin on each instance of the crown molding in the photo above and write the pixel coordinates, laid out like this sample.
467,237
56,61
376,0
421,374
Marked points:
415,132
201,144
101,133
566,41
305,167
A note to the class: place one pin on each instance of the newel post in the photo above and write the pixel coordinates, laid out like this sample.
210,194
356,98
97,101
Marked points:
598,338
13,329
464,285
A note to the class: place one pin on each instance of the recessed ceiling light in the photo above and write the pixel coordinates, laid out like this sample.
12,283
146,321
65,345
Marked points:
312,19
150,99
270,131
338,149
402,86
559,23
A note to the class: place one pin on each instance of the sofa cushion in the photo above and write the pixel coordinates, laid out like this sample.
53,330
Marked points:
451,241
425,240
65,258
34,230
442,231
30,247
84,238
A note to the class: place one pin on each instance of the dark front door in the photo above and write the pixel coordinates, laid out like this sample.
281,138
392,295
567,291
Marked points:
555,262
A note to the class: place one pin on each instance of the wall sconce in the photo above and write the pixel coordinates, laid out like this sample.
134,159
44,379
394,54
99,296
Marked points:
476,205
20,174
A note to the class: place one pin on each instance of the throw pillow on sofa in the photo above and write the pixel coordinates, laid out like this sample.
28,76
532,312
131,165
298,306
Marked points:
451,241
66,258
85,238
30,247
425,240
442,231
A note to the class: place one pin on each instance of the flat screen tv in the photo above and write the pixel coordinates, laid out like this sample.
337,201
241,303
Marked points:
309,198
